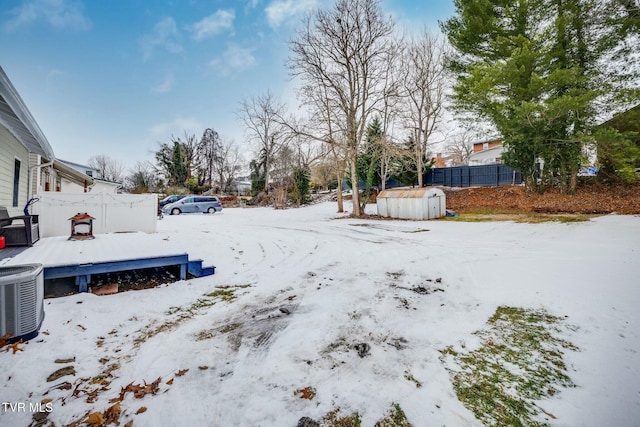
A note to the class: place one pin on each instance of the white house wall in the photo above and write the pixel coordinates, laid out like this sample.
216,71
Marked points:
113,213
486,157
104,187
11,149
67,186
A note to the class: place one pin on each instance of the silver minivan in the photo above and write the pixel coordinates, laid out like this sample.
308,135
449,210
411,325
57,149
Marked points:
191,204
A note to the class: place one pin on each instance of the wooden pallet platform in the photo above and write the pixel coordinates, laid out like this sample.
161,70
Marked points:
80,260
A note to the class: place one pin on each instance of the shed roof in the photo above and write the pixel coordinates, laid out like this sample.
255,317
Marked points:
413,193
15,116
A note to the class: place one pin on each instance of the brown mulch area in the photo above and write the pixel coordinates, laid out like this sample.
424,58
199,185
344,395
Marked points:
589,199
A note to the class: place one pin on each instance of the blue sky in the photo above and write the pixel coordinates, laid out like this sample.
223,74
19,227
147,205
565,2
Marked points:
117,77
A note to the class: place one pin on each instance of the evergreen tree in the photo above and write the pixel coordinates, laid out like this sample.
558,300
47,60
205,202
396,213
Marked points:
618,145
301,178
171,161
406,167
258,175
533,69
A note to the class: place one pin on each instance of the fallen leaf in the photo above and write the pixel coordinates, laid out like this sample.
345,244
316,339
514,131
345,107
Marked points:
16,346
95,419
4,340
306,393
82,327
170,382
112,414
67,370
182,372
139,391
141,410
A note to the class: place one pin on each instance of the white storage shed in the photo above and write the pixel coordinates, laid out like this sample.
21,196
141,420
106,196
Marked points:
417,203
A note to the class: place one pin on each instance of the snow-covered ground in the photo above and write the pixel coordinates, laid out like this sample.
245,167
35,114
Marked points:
310,286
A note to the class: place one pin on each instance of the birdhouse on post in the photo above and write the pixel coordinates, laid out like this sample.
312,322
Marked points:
81,227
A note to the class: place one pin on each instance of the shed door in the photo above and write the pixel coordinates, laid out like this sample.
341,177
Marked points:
434,207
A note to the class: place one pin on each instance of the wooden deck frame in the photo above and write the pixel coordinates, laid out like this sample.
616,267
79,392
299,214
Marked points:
83,272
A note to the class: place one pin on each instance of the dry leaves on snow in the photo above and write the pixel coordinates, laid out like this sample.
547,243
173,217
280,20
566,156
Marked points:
139,391
305,393
6,345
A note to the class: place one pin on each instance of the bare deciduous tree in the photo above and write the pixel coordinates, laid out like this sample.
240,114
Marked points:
227,163
262,117
108,168
190,147
142,178
424,85
459,148
207,149
341,56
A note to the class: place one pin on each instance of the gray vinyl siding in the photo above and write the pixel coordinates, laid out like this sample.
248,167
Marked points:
10,150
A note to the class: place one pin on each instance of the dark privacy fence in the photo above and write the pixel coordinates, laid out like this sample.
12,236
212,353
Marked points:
474,176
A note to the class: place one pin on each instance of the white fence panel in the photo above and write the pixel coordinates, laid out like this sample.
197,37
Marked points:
113,213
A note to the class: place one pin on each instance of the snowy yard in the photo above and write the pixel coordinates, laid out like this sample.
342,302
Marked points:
309,313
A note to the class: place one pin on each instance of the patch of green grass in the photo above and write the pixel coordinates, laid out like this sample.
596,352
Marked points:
333,419
223,293
226,293
394,418
521,217
519,363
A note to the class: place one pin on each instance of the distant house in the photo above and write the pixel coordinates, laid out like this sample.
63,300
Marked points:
27,162
440,161
85,169
487,152
99,184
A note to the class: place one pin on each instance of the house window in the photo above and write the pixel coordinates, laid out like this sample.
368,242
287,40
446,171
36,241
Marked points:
58,183
89,173
485,145
16,182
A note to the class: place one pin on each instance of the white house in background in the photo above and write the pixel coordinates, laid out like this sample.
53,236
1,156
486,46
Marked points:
488,152
84,169
99,184
27,163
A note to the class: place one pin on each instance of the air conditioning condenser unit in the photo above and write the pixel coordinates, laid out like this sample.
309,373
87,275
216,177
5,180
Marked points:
21,300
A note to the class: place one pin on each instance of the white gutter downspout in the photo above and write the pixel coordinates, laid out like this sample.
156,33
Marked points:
30,182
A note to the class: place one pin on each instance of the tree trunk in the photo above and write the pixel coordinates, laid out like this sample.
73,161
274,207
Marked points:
355,197
339,190
266,173
573,181
419,156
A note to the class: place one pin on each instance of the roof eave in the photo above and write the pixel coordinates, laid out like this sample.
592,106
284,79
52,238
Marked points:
15,116
72,174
